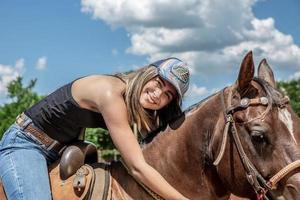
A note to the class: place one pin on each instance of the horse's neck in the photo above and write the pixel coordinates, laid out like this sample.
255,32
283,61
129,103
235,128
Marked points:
181,155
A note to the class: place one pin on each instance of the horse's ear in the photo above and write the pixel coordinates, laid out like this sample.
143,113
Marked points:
246,73
265,72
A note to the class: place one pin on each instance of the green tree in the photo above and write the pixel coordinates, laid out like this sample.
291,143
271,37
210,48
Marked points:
100,137
20,98
292,90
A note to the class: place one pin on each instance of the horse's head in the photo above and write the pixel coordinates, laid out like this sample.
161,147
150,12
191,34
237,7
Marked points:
262,152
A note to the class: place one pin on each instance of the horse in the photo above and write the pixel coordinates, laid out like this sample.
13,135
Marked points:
242,140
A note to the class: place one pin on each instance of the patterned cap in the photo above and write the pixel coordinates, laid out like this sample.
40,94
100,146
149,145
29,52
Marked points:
175,72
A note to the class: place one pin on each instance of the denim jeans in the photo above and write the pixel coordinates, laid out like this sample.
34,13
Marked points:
23,166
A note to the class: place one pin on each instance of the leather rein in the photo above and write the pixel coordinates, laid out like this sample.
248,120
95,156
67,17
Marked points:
260,185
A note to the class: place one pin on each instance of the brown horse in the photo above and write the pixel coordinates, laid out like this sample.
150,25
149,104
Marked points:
235,141
242,140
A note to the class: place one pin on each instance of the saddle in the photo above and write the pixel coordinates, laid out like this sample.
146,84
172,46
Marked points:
73,176
76,187
2,193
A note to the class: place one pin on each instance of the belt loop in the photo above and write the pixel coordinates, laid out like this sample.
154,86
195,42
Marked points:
23,120
57,147
27,122
54,143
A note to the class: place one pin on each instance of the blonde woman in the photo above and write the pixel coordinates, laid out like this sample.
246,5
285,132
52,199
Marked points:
144,97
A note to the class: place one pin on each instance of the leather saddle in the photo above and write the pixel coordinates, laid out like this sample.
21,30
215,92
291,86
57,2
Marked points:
73,177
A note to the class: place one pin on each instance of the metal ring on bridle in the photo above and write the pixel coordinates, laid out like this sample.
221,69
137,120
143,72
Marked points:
245,102
264,100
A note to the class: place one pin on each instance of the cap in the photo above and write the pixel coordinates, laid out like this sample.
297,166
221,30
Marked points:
175,72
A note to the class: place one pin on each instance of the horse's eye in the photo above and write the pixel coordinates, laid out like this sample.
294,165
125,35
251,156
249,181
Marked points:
258,137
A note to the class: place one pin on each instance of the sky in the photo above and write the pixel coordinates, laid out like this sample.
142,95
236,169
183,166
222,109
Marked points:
59,41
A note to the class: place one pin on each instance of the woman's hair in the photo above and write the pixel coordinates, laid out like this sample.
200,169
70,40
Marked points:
145,119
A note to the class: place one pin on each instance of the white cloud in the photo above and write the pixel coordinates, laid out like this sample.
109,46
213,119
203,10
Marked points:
20,64
9,73
295,76
195,90
41,63
197,93
211,35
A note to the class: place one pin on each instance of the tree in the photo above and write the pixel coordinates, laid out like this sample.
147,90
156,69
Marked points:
21,98
292,90
100,137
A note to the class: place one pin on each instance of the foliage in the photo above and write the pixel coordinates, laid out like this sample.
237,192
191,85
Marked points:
292,90
21,98
100,137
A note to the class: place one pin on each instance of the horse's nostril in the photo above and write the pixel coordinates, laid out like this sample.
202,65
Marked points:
280,198
291,191
292,187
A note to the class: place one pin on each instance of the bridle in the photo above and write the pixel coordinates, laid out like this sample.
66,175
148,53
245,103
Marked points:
260,185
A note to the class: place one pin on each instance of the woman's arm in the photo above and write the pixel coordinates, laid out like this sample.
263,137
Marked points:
114,112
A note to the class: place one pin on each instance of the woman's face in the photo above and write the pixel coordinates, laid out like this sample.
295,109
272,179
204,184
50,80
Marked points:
157,93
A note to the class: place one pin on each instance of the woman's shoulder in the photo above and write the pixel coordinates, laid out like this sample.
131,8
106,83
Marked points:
100,82
95,88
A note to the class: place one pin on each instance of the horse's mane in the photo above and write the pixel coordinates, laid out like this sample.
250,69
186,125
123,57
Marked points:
150,136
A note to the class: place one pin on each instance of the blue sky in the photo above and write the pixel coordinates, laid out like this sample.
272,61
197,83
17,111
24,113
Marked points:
58,41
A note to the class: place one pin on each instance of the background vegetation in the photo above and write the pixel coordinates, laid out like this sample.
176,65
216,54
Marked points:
22,97
292,90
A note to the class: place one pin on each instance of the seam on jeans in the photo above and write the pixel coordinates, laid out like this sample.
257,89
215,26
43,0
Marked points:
16,175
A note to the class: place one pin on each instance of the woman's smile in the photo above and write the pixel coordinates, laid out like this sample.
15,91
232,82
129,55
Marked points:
153,98
156,94
150,99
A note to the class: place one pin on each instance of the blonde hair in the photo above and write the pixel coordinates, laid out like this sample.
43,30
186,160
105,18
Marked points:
146,120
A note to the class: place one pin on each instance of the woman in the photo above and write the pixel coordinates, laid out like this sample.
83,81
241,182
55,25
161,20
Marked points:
144,97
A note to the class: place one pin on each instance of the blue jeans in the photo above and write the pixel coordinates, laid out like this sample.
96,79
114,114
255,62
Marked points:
23,166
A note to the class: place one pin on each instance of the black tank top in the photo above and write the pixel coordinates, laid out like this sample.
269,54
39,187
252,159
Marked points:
59,115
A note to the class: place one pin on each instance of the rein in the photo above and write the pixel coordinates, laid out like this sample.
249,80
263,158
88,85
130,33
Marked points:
260,185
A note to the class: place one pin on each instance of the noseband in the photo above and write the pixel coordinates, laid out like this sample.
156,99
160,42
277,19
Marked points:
260,185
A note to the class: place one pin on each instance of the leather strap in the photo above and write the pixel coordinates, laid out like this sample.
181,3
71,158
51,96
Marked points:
41,136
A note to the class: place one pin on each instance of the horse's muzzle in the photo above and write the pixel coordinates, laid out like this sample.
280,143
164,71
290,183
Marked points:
292,187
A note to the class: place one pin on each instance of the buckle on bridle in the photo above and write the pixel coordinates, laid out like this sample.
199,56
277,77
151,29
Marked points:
264,101
245,102
229,118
